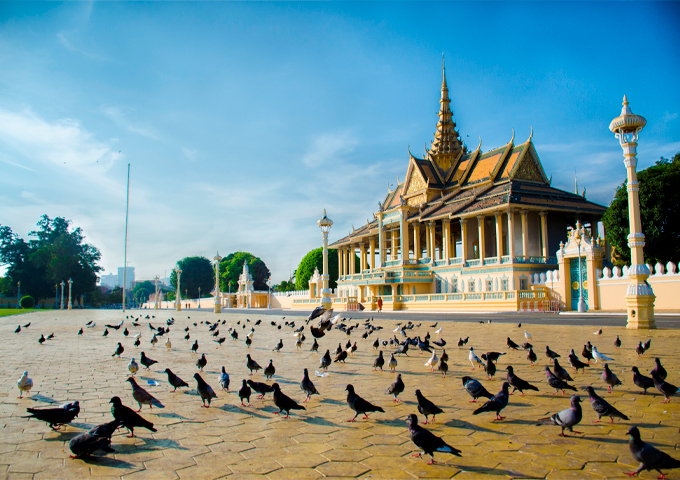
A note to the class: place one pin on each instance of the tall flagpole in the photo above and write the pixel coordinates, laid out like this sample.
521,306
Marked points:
127,208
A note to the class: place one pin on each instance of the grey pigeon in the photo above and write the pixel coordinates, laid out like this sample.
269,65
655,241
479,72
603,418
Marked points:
142,397
307,386
575,362
496,403
556,383
560,372
325,360
517,383
566,418
647,344
98,438
512,344
531,356
252,365
201,362
427,441
550,354
261,388
426,407
602,407
224,379
204,390
640,350
475,389
174,380
659,370
664,387
244,392
650,458
641,381
284,402
269,370
359,405
396,388
379,362
610,378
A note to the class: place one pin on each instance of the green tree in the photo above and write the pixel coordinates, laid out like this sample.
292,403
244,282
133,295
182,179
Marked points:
142,291
116,296
314,259
284,286
659,204
55,255
196,272
232,266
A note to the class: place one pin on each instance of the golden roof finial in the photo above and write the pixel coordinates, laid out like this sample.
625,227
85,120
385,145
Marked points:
513,136
479,147
531,134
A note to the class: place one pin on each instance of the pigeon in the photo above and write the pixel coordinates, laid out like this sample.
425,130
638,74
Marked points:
307,386
154,340
18,329
517,383
194,347
647,344
204,390
325,360
120,349
602,407
610,378
432,362
439,330
234,334
496,403
376,344
284,402
146,361
24,384
440,343
224,379
88,323
133,366
244,392
531,356
403,349
91,325
315,346
174,380
426,407
56,416
220,341
260,387
587,353
664,387
80,332
359,405
27,325
512,344
269,370
142,396
126,332
106,332
353,348
527,335
128,417
279,346
550,354
252,365
168,344
659,370
575,362
641,381
338,350
474,359
526,346
396,388
598,356
493,356
599,332
41,340
427,441
560,372
444,357
187,337
462,342
137,343
443,367
640,350
98,438
650,458
566,418
558,384
341,357
617,342
201,362
490,369
475,389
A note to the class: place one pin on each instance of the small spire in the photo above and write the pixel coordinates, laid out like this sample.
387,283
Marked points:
531,134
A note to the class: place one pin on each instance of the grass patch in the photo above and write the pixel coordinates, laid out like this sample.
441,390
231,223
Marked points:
16,311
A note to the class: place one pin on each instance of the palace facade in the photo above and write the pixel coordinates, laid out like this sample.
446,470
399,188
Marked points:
466,230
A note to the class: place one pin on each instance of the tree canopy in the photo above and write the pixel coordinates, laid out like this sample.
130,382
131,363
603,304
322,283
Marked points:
314,259
659,204
142,291
56,254
196,272
231,267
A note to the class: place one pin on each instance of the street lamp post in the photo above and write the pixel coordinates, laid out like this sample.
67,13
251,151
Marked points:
217,307
199,297
19,294
155,297
186,295
178,299
70,283
62,294
639,294
581,302
269,294
325,224
56,296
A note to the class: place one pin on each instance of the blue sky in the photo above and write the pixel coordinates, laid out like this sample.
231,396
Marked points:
243,121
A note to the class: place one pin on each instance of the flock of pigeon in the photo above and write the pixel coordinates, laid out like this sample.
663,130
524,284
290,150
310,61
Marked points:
99,438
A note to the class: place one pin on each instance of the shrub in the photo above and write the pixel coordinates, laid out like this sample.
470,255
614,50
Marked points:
27,302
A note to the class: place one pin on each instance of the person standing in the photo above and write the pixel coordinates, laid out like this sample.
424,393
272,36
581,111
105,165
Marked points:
379,304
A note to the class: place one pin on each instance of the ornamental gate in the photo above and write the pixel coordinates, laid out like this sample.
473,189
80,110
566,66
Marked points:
575,282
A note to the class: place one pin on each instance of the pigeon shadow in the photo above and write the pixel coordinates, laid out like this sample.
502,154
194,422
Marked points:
471,426
247,410
64,436
41,398
107,462
607,439
520,422
332,401
171,415
319,421
492,471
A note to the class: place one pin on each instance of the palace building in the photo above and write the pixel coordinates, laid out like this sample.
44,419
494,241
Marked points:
466,230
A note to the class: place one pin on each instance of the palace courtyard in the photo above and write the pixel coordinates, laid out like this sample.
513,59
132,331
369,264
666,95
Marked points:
230,440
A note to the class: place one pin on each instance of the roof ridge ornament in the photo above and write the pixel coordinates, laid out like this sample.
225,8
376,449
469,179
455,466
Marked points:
531,134
512,140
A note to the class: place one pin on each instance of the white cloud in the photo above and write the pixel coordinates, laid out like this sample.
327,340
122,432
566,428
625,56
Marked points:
329,147
190,154
66,43
668,117
120,116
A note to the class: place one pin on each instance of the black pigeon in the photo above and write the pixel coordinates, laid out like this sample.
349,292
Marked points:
174,380
641,381
575,362
50,336
137,342
317,332
403,349
106,332
602,407
650,458
462,342
80,332
427,441
279,346
550,354
443,367
126,332
517,383
396,388
204,390
566,418
90,323
586,353
617,342
325,360
526,346
493,356
531,356
379,362
560,372
475,389
120,349
269,370
56,416
341,357
194,347
234,335
307,386
249,341
610,378
647,344
98,438
496,403
220,340
444,356
146,361
128,417
338,350
359,405
315,346
18,329
201,362
27,325
260,387
556,383
284,402
664,387
640,350
440,343
426,407
659,370
252,365
512,344
490,369
244,392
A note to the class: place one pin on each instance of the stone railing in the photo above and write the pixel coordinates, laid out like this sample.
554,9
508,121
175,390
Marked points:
658,270
293,293
545,278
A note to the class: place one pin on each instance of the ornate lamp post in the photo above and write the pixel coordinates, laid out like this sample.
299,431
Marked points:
70,283
639,295
56,295
217,308
581,302
199,297
178,299
19,294
325,224
62,294
269,293
155,297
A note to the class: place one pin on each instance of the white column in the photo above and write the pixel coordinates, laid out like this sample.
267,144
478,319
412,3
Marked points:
499,237
446,238
511,235
372,252
463,234
525,234
480,232
544,233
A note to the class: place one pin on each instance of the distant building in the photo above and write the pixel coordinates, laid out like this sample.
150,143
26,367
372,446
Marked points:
130,277
110,281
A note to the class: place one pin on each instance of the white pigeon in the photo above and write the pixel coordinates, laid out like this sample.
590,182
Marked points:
121,323
251,333
599,332
133,366
474,359
396,329
25,384
168,343
336,318
138,335
433,361
527,335
598,356
92,325
439,330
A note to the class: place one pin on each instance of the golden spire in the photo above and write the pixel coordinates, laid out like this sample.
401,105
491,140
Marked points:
446,138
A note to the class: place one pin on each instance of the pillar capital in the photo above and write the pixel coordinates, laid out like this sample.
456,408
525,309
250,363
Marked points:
543,213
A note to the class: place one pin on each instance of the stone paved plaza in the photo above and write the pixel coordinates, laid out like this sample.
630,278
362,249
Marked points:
244,442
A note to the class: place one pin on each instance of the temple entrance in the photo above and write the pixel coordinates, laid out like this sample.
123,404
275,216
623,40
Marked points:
576,280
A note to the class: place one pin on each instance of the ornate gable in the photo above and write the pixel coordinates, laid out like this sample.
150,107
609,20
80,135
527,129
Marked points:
528,167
